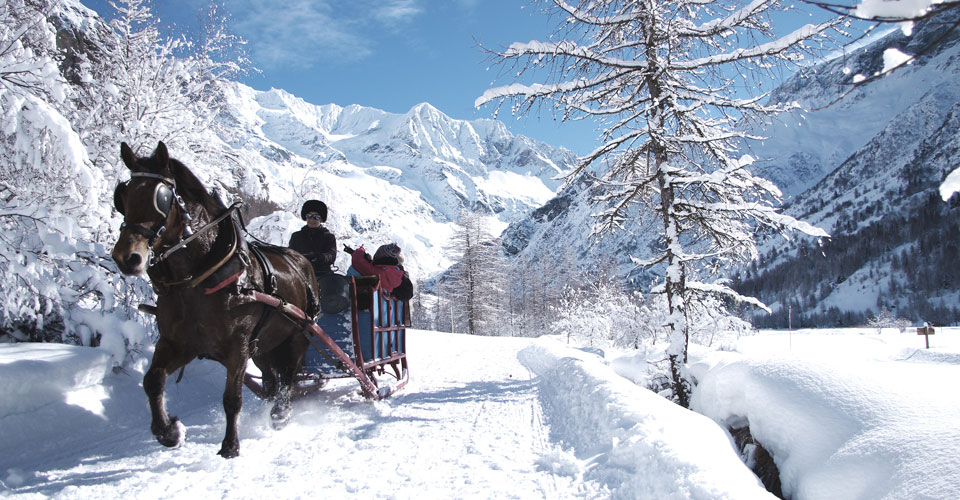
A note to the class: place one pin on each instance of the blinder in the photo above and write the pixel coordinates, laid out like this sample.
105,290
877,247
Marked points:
119,193
163,194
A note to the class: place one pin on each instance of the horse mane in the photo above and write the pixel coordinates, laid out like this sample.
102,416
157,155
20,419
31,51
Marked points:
190,187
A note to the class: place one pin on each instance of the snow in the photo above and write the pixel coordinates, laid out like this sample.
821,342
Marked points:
35,375
900,9
893,58
635,443
950,185
845,413
513,185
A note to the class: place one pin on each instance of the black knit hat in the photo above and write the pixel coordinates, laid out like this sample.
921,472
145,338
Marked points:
315,206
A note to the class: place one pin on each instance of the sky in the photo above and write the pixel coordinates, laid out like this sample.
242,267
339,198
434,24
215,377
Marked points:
386,54
392,54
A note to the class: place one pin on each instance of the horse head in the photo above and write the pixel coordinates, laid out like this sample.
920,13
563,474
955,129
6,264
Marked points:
152,217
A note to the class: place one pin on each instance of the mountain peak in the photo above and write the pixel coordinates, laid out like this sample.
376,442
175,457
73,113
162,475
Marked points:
425,107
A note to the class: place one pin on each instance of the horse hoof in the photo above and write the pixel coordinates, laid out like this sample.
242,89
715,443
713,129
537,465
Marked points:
280,416
170,437
229,451
279,423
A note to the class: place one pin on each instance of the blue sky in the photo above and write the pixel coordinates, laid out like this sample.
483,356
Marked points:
388,54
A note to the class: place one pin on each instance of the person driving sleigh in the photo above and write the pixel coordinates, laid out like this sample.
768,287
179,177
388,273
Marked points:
315,241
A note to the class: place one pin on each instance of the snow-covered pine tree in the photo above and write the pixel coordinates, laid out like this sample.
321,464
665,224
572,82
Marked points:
145,87
668,81
477,278
54,286
62,109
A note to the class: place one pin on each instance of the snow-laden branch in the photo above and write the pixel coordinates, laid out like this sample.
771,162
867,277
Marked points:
723,290
587,18
762,213
771,48
733,20
569,49
535,90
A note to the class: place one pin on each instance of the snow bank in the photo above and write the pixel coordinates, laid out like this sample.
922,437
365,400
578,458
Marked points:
842,427
34,375
638,444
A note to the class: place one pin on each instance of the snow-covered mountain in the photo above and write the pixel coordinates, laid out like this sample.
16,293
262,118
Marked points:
387,177
894,240
843,164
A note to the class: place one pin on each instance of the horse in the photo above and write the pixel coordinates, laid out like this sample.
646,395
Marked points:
189,245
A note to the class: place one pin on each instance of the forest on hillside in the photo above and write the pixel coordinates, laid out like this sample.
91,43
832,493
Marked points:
916,249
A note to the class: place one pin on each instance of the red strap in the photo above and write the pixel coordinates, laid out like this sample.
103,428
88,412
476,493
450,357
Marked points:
223,284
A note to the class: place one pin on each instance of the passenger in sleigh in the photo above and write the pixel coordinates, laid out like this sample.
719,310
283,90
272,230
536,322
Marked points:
394,282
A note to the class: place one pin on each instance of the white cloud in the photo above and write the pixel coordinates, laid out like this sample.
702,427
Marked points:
396,11
305,33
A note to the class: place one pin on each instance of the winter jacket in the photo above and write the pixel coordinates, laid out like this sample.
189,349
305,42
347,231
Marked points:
318,245
389,272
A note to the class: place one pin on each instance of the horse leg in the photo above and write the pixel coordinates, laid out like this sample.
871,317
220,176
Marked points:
286,362
166,360
232,403
268,375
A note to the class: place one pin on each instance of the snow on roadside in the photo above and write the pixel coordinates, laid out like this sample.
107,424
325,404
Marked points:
846,414
34,375
633,441
851,415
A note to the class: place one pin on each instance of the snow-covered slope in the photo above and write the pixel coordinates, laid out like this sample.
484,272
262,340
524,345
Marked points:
386,177
451,163
838,119
897,139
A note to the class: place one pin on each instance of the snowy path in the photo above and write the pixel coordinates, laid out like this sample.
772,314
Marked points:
481,418
467,425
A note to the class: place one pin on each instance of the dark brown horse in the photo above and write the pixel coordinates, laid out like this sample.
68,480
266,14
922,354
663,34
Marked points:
190,246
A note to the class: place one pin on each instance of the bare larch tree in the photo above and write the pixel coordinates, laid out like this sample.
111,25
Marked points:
670,83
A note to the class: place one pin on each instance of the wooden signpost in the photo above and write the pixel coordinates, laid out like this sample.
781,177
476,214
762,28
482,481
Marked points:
926,331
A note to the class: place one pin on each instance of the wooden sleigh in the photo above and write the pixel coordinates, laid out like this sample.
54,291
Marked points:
368,342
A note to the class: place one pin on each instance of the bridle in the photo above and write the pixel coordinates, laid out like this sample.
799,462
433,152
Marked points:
165,198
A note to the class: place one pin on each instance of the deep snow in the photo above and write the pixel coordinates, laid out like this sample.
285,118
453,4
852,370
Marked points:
846,413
